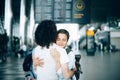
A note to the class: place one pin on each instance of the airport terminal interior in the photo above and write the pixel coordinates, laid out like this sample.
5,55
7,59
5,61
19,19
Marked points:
93,25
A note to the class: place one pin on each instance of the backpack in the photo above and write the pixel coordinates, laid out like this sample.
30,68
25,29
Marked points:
27,65
27,62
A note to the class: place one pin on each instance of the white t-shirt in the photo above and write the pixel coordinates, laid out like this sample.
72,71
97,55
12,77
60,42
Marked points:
48,71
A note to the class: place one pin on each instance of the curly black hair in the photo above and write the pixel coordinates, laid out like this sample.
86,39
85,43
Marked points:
45,33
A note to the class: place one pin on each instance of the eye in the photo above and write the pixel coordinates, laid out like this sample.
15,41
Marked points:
58,39
64,40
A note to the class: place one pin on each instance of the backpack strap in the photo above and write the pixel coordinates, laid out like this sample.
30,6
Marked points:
68,50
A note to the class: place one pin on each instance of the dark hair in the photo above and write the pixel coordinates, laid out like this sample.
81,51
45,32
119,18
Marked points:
63,31
45,33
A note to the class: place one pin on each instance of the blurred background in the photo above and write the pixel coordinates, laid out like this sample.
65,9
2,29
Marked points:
94,25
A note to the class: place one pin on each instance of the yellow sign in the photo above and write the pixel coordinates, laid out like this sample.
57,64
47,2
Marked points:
90,33
78,15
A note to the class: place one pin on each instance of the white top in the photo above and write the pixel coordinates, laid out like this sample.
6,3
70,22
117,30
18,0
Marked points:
71,56
71,65
48,71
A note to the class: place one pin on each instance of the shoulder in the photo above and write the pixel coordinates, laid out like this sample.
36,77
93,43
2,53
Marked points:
36,49
60,49
63,54
71,55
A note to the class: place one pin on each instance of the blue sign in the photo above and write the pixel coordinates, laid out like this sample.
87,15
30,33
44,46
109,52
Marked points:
81,11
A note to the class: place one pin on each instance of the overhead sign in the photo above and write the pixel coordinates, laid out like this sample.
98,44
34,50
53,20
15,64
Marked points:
81,11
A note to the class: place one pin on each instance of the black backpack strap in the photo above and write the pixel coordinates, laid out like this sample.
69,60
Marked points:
68,50
78,66
33,73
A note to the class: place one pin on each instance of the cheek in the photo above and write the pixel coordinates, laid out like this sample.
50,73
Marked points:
58,42
65,43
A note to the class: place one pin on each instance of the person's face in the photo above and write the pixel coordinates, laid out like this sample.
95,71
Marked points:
61,40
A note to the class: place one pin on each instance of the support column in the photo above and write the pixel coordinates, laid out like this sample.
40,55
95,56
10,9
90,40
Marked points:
8,16
32,22
22,20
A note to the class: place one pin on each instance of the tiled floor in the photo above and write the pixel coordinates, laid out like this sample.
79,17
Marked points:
102,66
12,69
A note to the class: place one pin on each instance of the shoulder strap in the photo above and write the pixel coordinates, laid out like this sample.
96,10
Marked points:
68,50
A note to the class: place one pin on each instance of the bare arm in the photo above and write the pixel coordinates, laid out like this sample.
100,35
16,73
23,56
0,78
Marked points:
55,54
67,73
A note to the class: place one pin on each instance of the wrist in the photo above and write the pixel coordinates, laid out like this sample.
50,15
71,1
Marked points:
73,69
